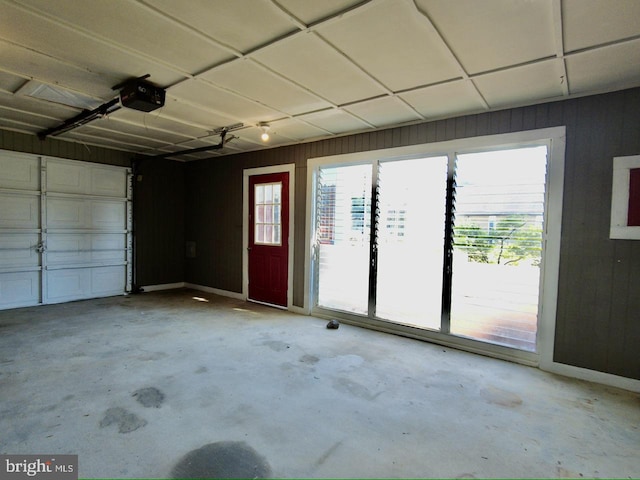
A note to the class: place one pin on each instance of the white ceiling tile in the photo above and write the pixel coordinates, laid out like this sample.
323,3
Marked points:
384,111
7,124
36,121
446,99
10,82
310,12
335,121
192,115
295,129
159,119
222,102
72,60
241,24
522,84
490,34
42,107
613,67
101,128
142,130
594,22
253,81
133,25
394,44
316,66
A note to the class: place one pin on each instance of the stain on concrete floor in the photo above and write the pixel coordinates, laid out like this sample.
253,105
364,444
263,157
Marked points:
222,460
501,397
149,397
126,421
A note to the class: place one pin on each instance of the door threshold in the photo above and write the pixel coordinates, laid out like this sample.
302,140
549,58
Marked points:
268,304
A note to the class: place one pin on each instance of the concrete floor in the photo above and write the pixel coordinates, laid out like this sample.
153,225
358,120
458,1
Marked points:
165,384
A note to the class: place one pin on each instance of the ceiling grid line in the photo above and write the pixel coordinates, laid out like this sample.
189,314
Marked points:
556,7
447,50
99,38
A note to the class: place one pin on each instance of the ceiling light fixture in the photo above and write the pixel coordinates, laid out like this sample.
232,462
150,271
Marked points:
265,129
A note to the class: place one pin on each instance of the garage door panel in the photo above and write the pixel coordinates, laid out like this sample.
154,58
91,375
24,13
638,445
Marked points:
108,215
19,289
19,250
19,211
107,280
83,248
67,213
20,172
108,182
67,177
70,284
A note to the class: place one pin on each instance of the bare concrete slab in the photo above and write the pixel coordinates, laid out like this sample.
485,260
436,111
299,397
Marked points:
183,383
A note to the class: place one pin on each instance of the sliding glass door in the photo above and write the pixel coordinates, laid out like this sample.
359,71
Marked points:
499,207
410,241
450,243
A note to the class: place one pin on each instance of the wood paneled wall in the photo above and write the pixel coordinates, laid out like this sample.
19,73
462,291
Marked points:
20,142
598,319
159,212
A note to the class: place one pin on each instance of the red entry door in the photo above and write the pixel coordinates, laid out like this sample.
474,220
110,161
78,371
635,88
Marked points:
269,238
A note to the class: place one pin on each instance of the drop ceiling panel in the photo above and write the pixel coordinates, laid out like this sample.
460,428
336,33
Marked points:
37,121
7,124
522,84
593,22
73,59
101,128
309,61
42,67
134,26
486,35
42,107
160,119
112,122
241,24
335,121
384,111
616,66
223,102
393,44
296,129
193,115
310,12
10,82
255,82
441,100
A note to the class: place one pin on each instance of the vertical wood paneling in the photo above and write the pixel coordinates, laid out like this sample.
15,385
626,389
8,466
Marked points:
597,323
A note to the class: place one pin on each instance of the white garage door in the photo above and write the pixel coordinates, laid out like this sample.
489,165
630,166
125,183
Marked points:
65,230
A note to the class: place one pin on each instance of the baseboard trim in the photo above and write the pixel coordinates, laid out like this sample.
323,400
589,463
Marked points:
164,286
592,376
216,291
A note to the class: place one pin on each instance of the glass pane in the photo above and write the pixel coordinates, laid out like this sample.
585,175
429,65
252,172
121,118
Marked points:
268,233
268,214
343,212
268,193
276,193
260,214
259,234
411,241
276,215
498,246
276,234
259,193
